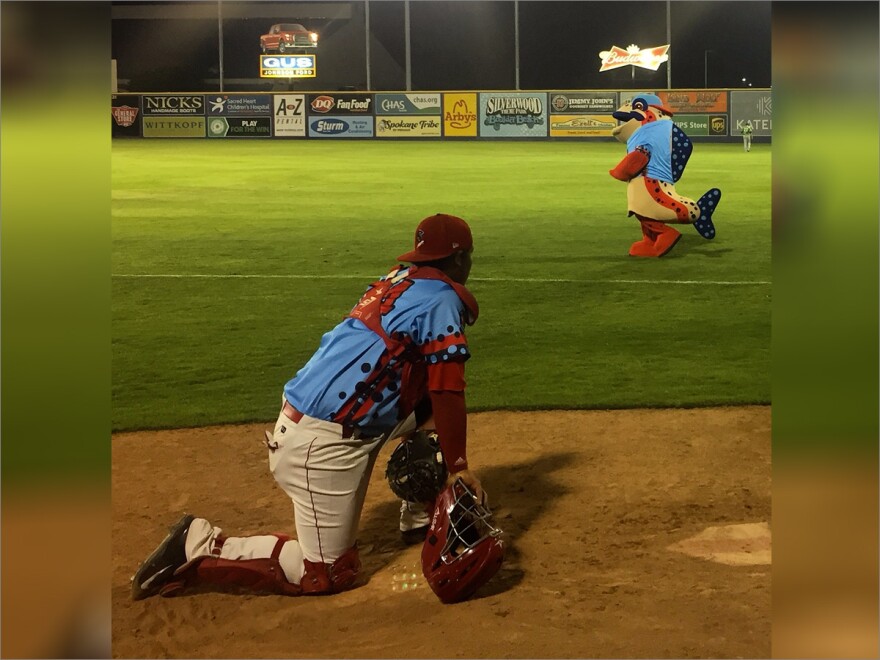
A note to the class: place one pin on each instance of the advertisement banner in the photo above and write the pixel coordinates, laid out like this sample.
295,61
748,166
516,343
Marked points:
646,58
125,115
259,104
174,127
581,125
408,126
692,124
718,124
586,102
344,127
702,102
460,115
172,104
513,114
751,105
340,104
408,104
289,115
288,66
240,127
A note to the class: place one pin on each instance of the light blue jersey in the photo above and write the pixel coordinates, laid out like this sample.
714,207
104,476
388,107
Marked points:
656,138
350,378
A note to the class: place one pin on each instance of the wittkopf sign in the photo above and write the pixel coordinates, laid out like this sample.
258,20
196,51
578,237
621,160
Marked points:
646,58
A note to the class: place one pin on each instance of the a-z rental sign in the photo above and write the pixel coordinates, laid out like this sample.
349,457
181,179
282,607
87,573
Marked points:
288,66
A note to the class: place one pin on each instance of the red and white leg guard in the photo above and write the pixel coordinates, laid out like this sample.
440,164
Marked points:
331,578
261,564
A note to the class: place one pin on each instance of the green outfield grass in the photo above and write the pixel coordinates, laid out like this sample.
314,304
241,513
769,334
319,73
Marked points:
232,258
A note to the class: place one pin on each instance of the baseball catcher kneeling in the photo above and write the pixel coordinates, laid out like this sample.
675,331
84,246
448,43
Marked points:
394,362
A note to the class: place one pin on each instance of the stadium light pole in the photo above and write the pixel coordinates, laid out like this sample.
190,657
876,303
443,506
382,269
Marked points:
406,44
706,68
220,40
669,41
516,38
367,39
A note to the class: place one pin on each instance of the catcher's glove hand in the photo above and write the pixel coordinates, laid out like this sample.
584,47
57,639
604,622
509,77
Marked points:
416,471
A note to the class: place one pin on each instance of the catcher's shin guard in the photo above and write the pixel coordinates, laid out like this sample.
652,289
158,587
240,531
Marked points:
263,575
332,578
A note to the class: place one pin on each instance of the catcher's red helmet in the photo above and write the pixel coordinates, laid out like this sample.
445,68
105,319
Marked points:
462,549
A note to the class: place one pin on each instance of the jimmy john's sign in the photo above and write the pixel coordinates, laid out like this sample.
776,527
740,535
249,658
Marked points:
646,58
288,66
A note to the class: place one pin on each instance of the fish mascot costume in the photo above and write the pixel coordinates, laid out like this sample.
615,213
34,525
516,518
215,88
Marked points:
657,152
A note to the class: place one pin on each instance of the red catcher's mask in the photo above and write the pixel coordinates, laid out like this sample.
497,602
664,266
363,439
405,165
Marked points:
463,550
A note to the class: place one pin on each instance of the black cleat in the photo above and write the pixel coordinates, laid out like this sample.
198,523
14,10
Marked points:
416,535
159,567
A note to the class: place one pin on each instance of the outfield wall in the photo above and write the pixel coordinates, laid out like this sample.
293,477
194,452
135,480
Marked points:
704,114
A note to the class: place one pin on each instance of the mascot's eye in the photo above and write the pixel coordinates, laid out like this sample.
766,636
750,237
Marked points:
639,105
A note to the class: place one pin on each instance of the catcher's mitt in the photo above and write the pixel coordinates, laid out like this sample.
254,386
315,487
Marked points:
416,471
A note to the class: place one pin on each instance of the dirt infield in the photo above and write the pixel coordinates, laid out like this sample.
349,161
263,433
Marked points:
600,508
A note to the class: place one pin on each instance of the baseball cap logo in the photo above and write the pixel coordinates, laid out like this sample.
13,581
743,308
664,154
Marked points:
437,237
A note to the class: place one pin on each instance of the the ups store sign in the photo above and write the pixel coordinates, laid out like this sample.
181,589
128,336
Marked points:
173,104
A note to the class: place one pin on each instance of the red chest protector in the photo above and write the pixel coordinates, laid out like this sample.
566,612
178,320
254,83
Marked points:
376,302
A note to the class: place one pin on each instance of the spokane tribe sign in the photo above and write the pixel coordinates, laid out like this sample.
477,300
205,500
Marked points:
288,66
646,58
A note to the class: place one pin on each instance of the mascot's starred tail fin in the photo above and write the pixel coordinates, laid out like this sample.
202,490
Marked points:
707,203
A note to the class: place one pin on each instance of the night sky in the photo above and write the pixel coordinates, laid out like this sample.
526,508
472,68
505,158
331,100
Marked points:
456,45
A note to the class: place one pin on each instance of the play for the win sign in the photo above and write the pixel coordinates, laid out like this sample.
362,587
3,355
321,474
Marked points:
288,66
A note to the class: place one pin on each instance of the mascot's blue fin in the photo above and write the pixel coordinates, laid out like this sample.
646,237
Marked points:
681,151
707,203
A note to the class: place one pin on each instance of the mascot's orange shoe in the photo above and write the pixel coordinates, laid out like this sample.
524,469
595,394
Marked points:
667,239
659,238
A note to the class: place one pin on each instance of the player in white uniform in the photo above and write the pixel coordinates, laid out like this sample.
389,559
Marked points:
747,136
396,363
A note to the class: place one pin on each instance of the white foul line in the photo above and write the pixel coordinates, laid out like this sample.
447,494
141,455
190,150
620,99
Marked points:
368,278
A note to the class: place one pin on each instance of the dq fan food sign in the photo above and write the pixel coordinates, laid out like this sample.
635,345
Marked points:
646,58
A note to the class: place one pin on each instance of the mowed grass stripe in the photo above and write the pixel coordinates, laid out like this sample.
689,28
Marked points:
366,278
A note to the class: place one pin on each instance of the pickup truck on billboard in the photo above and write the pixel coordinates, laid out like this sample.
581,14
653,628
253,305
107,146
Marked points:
282,37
